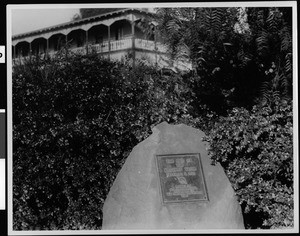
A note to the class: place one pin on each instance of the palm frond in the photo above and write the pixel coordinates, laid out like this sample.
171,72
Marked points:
262,41
288,63
286,39
272,23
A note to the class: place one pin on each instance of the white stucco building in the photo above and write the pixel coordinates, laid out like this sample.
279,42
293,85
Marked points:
113,35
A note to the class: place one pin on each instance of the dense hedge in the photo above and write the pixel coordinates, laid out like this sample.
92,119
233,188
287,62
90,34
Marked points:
75,119
256,149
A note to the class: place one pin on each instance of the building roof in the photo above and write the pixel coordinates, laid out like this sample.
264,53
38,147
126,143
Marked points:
80,22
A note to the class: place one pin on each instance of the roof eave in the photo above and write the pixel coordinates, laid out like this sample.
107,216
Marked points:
80,21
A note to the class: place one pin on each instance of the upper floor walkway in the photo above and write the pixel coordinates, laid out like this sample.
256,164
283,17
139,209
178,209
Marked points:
106,33
113,34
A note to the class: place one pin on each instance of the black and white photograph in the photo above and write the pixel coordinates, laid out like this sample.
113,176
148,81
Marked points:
152,118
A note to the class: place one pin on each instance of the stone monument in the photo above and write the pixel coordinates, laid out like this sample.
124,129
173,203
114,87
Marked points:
168,182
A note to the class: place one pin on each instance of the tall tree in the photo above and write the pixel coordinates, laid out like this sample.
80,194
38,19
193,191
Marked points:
230,54
208,37
271,30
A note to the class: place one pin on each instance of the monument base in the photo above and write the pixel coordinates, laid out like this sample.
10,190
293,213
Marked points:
168,182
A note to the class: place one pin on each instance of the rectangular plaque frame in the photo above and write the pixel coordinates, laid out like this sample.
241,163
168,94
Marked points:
181,178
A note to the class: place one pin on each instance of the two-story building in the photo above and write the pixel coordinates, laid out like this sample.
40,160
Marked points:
114,35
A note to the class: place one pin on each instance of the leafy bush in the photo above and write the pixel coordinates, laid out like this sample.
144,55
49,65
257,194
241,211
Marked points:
256,149
75,120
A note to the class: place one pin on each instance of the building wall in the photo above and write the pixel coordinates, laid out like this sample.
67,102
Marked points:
119,56
120,37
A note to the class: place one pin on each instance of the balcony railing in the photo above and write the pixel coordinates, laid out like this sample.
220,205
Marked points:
145,44
120,44
150,45
79,50
115,45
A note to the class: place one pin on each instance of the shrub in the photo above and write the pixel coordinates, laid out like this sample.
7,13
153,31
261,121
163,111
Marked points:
75,120
256,149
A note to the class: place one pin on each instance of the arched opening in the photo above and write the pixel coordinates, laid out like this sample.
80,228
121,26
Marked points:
121,29
22,49
97,34
38,46
76,38
56,42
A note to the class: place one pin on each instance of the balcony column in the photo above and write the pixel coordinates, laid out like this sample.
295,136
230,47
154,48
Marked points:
47,47
86,41
109,48
133,42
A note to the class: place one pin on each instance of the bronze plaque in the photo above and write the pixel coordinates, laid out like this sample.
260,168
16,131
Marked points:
181,178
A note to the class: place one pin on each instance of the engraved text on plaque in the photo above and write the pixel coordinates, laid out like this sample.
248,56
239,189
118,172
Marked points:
181,178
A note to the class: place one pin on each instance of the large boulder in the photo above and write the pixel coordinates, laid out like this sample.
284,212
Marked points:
136,200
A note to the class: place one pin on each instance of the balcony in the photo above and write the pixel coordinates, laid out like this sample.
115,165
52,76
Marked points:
124,44
115,45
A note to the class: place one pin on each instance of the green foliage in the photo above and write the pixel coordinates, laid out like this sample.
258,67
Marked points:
256,149
240,57
272,31
207,36
75,120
